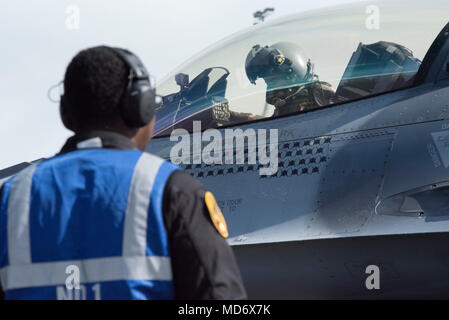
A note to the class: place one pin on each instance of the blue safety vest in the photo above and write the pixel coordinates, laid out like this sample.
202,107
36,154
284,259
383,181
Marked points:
86,225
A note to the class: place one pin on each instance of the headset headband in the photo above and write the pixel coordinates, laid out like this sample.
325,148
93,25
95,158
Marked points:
134,63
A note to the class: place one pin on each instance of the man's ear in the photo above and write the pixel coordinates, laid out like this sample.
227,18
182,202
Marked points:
144,135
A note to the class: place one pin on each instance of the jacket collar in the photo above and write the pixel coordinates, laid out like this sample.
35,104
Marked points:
98,139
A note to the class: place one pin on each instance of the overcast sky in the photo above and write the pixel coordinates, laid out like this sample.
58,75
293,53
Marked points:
41,36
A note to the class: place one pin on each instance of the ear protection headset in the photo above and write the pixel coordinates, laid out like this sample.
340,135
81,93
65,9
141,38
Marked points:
138,103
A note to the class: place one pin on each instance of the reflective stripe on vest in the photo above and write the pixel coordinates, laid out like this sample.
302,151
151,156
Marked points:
134,264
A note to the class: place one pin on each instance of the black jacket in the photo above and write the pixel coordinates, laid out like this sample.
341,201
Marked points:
203,264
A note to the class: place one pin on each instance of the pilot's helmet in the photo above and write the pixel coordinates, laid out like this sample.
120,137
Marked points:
281,65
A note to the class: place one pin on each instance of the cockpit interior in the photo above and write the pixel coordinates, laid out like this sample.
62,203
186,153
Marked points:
338,51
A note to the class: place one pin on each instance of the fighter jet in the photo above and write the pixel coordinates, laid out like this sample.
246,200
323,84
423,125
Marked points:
354,104
359,204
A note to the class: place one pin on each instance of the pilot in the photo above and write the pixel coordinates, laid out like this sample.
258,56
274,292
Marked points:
103,219
292,85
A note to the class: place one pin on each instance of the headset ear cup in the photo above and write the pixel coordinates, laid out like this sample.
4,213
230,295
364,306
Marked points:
139,100
128,110
148,105
138,106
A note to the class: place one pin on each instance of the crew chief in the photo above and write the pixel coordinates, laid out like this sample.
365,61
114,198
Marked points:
104,220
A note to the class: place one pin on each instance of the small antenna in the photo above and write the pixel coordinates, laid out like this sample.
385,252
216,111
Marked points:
260,15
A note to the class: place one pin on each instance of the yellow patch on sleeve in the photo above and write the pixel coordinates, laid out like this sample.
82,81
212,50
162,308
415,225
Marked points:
215,214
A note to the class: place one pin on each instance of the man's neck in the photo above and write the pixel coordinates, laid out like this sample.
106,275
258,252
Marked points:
108,140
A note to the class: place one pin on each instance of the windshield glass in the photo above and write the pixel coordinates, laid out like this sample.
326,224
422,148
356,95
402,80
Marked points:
300,63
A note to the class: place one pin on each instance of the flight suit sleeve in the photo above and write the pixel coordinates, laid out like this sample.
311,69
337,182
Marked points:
203,264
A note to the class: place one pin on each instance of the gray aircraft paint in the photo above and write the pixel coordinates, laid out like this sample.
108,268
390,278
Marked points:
343,159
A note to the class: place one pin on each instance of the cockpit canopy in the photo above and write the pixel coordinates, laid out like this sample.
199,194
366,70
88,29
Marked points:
357,50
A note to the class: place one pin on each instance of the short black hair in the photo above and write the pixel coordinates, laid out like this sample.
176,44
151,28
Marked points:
94,83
